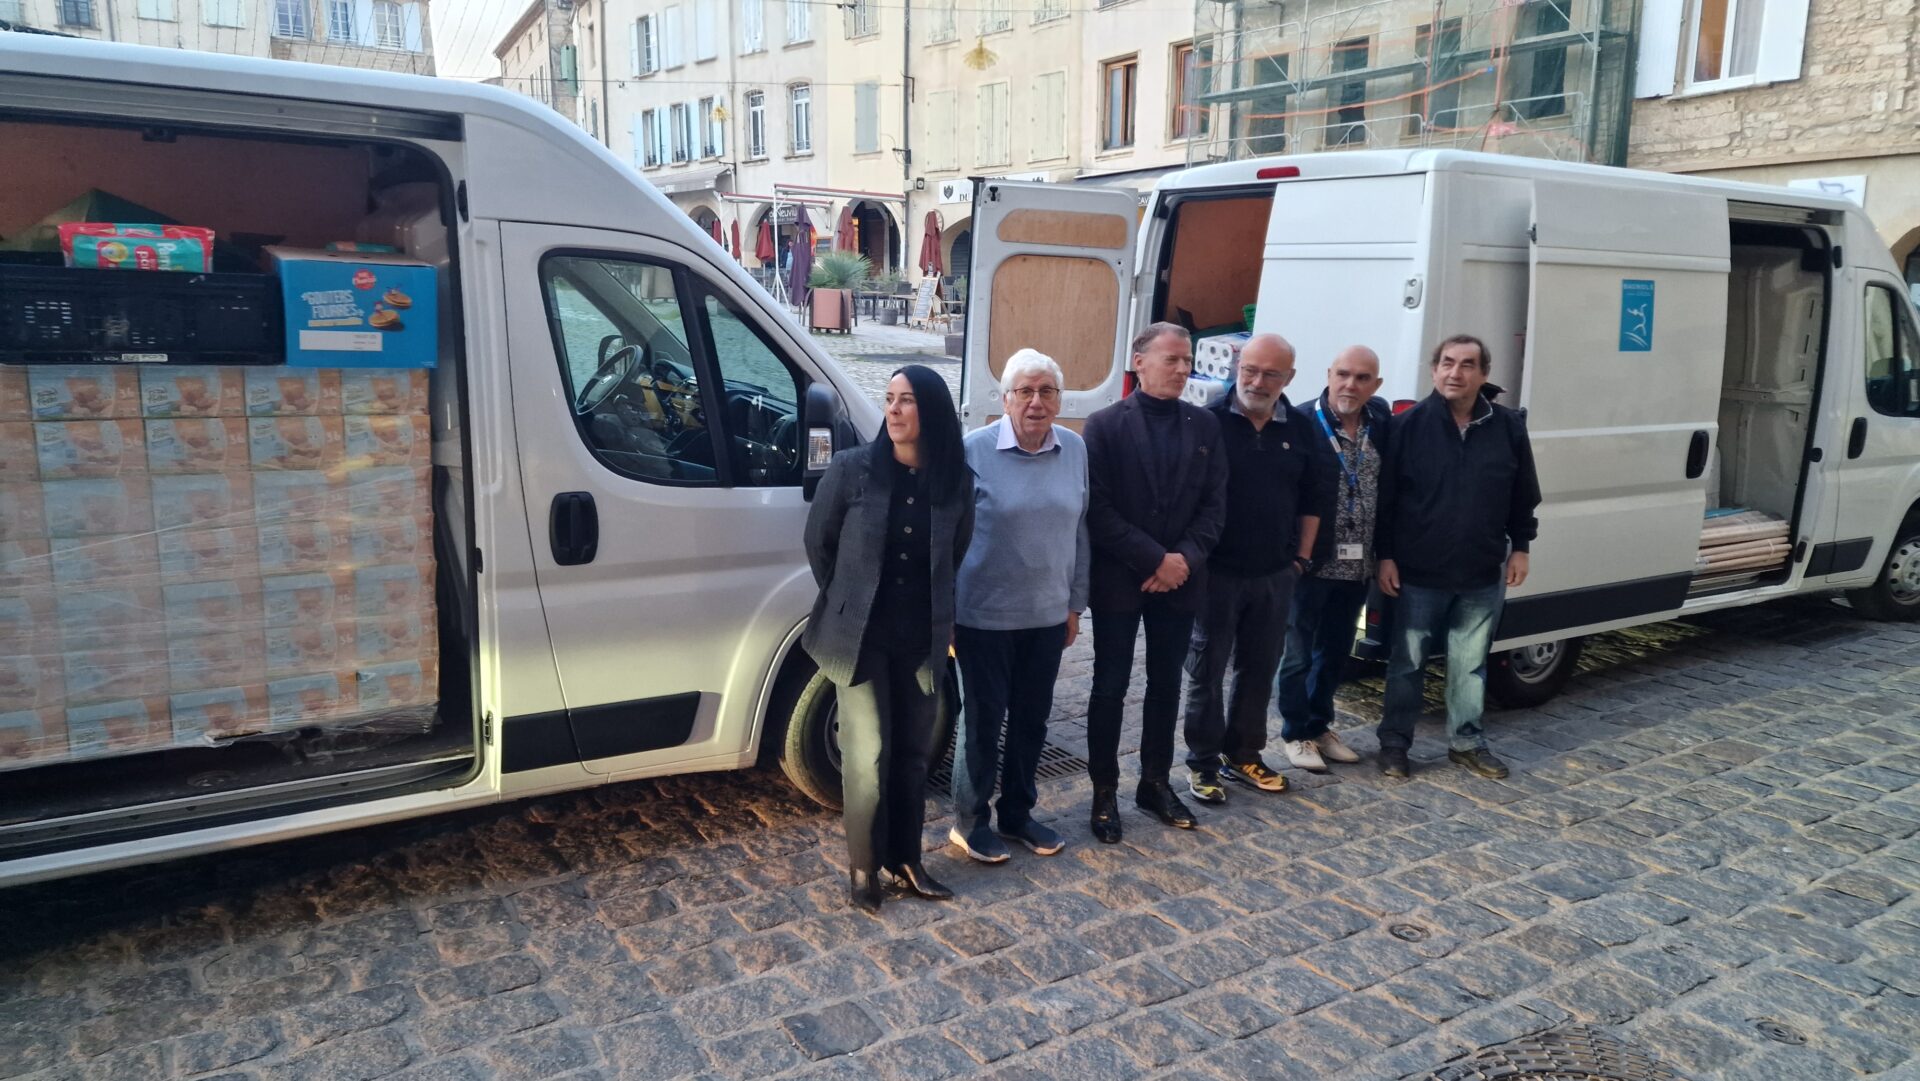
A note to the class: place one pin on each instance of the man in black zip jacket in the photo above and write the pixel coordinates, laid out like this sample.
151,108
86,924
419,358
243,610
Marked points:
1456,518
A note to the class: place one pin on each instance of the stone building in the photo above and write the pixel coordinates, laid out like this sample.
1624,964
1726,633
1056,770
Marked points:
388,35
537,56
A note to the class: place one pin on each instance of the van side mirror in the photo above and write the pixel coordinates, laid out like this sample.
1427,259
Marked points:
821,411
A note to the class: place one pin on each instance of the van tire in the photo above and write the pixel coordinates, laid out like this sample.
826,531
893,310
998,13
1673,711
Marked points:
1895,595
1523,678
810,751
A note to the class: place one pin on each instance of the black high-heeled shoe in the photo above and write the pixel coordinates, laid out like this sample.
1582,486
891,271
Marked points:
913,878
863,891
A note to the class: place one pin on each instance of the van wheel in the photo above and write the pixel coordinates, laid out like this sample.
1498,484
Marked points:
810,755
1895,596
1531,675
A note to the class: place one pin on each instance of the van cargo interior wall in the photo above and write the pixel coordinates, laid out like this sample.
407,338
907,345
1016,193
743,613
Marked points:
1212,255
1541,78
38,95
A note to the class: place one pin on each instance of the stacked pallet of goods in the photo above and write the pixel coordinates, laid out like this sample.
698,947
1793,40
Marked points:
1738,546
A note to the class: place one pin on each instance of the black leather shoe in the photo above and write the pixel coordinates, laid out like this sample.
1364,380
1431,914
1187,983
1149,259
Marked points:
863,891
1157,799
1482,763
1106,816
913,878
1393,762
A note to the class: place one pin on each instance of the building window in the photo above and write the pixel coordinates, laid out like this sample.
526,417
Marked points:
1116,102
159,10
753,25
650,138
340,20
1045,11
672,39
861,18
389,29
866,118
593,119
1350,55
1546,75
705,30
220,12
944,26
682,127
756,124
1726,39
76,12
939,133
1190,119
1439,106
712,138
648,35
800,119
995,16
799,21
1049,134
992,124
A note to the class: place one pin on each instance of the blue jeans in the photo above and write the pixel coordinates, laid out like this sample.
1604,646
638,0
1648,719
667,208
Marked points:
1467,619
1009,684
1320,630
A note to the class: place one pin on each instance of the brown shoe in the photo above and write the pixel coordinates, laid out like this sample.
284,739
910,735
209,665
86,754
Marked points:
1481,763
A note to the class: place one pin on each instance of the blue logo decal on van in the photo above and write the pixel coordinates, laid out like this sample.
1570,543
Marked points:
1636,316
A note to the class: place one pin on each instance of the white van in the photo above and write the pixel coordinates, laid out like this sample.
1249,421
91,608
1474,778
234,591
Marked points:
1722,381
609,531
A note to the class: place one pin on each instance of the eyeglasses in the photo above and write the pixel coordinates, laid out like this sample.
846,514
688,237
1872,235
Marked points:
1257,375
1027,394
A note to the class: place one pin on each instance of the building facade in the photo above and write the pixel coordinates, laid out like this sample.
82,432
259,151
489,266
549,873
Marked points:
388,35
1786,92
538,58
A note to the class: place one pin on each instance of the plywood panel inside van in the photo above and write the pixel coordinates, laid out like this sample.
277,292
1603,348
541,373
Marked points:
1218,245
1062,306
308,194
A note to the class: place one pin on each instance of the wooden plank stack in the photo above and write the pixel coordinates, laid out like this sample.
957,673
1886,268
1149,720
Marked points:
1739,546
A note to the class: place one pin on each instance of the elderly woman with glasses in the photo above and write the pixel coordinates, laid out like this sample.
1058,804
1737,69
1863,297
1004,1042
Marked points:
1017,604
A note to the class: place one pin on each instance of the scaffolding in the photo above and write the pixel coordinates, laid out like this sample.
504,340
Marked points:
1542,78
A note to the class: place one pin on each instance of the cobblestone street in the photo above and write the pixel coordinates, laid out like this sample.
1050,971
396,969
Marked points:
1707,852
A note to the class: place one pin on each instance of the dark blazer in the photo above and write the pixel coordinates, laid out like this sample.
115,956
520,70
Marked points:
846,546
1136,516
1378,418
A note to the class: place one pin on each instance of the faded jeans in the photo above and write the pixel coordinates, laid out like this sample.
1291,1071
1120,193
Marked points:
1466,619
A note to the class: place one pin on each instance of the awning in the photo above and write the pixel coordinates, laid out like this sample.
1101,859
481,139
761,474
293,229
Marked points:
692,180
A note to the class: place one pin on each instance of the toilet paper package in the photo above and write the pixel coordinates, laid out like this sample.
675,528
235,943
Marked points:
104,675
321,645
97,506
226,604
302,547
388,441
122,727
301,495
293,392
31,681
29,736
167,391
396,636
383,391
87,562
298,701
83,392
29,623
128,617
22,511
19,457
90,448
13,393
203,500
206,716
215,659
294,599
199,555
295,443
396,685
402,587
25,564
389,540
197,445
388,491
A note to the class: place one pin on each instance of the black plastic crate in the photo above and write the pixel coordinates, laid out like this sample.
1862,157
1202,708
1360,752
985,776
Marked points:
71,315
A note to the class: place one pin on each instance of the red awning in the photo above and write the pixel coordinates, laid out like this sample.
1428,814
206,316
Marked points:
930,246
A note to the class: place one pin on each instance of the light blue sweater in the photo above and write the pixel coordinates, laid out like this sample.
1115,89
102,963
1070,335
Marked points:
1027,565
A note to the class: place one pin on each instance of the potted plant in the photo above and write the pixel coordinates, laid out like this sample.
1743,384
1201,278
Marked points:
889,284
832,281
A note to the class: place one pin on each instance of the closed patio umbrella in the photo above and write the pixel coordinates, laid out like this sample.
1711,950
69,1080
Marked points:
763,244
845,236
736,241
930,246
802,250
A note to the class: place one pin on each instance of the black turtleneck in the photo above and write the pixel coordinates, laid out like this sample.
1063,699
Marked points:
1163,432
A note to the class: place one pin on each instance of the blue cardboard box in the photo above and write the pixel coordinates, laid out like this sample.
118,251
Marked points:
357,309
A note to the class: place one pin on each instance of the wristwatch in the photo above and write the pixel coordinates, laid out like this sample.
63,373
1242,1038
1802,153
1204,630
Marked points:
1304,564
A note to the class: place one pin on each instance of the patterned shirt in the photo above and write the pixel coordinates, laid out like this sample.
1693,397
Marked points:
1354,526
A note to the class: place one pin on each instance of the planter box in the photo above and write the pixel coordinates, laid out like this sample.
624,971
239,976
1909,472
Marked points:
832,309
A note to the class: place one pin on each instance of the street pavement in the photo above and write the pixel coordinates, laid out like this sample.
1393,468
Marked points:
1703,867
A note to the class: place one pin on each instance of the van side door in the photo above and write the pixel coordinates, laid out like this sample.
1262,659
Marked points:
1053,271
1626,339
657,409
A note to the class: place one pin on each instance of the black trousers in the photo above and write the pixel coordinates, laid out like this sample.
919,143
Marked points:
1113,637
886,749
1010,677
1245,623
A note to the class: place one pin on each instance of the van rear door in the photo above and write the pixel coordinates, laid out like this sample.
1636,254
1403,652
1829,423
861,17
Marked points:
1053,271
1626,334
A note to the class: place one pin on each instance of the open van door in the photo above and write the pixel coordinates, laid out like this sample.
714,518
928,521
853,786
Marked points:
1053,271
1626,339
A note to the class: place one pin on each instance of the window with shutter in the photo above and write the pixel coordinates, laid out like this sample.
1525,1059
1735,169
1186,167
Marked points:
290,18
866,118
672,38
1116,104
756,124
76,12
996,15
1187,117
939,131
649,44
218,12
753,25
945,23
1049,130
992,120
704,30
799,21
650,138
800,119
161,10
340,20
389,30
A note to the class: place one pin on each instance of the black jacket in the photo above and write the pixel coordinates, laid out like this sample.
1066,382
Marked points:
1136,515
846,544
1378,419
1273,480
1451,502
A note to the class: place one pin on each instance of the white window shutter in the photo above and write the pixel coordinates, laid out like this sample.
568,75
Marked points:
363,33
703,30
633,136
1783,41
416,38
633,47
1653,68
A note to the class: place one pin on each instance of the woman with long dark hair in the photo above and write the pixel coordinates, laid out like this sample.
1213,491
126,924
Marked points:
887,530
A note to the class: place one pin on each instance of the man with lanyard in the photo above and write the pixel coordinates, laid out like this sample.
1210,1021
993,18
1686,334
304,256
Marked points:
1275,499
1351,429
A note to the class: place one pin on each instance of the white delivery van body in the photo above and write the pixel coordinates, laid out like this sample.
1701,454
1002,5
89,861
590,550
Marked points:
1689,352
617,419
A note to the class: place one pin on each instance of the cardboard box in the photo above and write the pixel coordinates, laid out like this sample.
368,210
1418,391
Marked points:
294,599
88,562
390,540
98,506
397,636
382,591
19,457
390,491
357,309
29,622
31,735
31,681
133,724
206,716
321,645
304,495
106,675
23,513
298,701
83,392
221,659
90,448
388,441
302,547
127,617
384,391
203,501
293,392
13,393
289,443
396,686
25,564
199,555
227,604
197,445
170,392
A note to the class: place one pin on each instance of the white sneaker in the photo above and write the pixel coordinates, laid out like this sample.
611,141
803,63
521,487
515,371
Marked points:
1335,751
1304,755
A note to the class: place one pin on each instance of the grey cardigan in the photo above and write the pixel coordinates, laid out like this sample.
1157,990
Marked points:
846,545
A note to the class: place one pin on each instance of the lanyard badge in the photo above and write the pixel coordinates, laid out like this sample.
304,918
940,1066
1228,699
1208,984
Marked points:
1359,451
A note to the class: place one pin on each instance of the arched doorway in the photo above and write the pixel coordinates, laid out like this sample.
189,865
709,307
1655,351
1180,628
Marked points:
709,222
960,249
876,235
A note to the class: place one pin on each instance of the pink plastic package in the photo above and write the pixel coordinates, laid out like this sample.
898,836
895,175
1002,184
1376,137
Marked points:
117,246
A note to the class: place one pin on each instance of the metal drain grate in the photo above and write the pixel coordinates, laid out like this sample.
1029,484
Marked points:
1055,762
1572,1053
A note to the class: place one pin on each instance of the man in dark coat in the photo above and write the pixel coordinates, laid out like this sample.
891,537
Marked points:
1157,477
